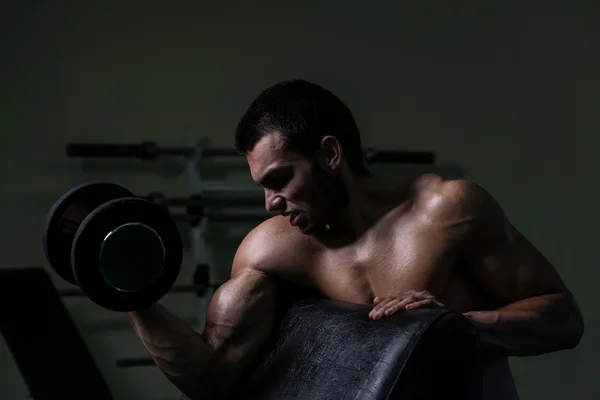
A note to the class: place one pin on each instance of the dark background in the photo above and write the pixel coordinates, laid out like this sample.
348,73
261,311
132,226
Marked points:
507,91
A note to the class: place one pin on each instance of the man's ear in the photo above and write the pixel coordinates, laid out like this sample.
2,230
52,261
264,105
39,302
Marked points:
330,154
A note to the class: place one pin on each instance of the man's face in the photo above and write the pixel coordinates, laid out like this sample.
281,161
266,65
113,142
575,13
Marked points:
296,186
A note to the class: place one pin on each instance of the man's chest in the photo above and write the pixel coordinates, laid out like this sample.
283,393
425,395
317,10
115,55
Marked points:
390,263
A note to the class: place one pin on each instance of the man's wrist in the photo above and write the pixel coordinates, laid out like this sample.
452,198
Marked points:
483,320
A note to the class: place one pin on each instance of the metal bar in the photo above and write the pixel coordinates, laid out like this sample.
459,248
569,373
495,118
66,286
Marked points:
176,151
236,217
223,186
205,201
222,217
142,150
220,152
216,201
145,150
197,227
150,150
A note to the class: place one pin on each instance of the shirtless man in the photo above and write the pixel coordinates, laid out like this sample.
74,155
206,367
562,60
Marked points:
415,242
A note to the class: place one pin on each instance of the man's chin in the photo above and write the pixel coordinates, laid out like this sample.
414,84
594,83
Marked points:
307,228
311,228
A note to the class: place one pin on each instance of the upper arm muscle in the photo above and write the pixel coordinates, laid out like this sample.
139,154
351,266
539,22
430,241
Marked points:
510,268
500,259
242,311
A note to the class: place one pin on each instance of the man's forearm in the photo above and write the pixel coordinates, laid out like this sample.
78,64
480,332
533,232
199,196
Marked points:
529,327
179,351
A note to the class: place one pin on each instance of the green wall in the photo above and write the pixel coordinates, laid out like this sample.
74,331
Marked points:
505,90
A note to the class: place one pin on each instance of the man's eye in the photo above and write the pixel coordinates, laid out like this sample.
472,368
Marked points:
279,181
276,183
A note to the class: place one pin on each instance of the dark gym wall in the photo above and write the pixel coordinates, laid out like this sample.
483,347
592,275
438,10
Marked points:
507,90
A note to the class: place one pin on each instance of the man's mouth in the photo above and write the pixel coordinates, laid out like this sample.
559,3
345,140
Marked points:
294,219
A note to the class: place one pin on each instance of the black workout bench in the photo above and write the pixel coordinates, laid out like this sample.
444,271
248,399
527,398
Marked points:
46,346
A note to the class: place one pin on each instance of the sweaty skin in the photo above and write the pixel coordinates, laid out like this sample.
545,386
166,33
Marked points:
419,234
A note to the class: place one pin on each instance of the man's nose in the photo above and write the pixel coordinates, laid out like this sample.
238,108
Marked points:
273,202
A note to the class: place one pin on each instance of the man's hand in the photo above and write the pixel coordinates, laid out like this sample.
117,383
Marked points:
390,305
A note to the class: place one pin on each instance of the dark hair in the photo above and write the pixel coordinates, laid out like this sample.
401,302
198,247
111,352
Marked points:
303,113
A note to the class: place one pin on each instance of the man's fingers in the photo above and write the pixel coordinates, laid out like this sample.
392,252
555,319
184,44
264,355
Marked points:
425,295
397,306
377,311
390,305
383,302
430,303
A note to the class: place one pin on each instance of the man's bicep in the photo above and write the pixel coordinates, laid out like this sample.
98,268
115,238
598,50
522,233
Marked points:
240,318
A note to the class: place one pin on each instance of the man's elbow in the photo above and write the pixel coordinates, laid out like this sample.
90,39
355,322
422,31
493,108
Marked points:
574,325
576,331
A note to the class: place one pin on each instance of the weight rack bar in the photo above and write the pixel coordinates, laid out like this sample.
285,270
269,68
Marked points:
144,150
151,151
221,217
204,201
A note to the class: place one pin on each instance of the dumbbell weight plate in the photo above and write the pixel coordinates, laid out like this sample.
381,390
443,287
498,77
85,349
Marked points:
126,254
65,216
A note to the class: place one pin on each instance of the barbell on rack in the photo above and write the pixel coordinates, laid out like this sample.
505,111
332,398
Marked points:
196,207
151,150
144,150
220,217
205,201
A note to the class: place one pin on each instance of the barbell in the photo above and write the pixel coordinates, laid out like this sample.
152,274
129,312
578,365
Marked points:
198,207
151,151
123,252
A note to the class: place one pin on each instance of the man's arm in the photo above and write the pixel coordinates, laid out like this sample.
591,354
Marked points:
239,320
535,313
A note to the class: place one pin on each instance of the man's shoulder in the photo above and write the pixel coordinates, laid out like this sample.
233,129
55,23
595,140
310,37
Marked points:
438,197
272,247
433,183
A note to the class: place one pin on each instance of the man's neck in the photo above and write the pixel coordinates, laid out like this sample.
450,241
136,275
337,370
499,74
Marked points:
369,199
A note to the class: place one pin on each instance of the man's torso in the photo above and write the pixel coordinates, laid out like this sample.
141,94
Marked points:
405,249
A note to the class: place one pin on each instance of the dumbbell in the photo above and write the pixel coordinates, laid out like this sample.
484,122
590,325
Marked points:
123,252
